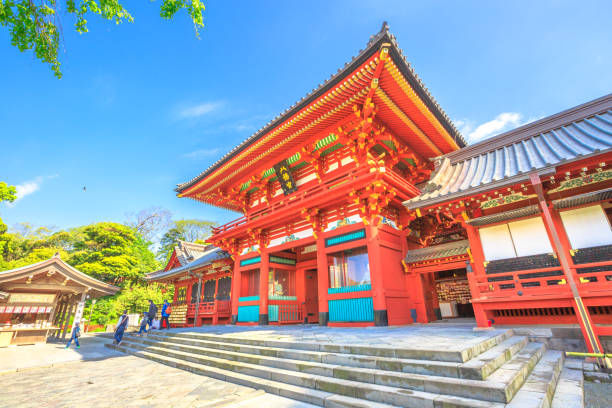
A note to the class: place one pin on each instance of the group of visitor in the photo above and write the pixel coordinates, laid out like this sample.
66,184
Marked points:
148,318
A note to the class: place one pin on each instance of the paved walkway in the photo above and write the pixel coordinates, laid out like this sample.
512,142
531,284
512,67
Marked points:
48,354
127,381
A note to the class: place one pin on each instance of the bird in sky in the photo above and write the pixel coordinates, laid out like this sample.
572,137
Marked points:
84,188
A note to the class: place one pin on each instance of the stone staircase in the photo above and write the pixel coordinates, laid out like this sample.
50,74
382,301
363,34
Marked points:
502,371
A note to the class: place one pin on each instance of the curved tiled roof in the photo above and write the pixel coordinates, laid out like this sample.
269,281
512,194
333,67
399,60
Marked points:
65,269
509,158
437,251
189,251
373,45
212,254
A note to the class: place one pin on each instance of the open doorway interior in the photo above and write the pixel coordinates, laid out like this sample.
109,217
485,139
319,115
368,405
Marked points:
453,293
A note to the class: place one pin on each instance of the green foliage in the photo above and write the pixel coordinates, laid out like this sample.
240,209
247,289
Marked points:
110,252
184,230
34,24
135,299
7,193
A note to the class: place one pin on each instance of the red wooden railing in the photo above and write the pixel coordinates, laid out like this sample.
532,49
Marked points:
209,308
290,313
507,284
331,180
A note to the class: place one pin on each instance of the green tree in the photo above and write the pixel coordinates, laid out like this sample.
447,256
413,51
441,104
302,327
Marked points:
111,252
134,299
35,24
184,230
7,193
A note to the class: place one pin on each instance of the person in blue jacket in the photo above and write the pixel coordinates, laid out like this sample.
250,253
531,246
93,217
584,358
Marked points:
121,326
165,314
76,333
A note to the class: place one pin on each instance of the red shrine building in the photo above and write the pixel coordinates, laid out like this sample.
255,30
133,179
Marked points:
202,278
362,205
524,218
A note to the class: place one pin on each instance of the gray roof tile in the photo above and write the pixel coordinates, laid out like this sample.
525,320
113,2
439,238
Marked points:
510,157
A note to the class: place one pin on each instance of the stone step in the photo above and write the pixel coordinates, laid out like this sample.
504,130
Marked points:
514,373
320,390
440,368
539,389
302,373
483,365
475,369
416,353
570,388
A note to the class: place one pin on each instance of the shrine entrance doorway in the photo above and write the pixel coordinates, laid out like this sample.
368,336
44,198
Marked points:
447,294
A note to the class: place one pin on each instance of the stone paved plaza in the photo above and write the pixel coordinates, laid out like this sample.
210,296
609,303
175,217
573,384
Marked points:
48,375
451,337
127,381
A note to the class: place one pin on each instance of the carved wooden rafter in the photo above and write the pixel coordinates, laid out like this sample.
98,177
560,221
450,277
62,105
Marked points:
258,236
405,218
314,158
316,218
372,199
229,245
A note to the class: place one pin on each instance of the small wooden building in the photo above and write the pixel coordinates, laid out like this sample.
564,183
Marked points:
39,300
202,276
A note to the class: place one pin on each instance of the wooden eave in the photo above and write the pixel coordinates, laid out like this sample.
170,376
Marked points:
403,103
56,265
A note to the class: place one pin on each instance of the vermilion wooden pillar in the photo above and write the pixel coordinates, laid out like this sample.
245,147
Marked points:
477,266
215,319
417,296
235,294
322,282
582,312
377,268
264,276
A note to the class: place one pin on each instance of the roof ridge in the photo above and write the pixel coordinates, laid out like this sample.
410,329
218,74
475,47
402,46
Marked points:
428,100
532,129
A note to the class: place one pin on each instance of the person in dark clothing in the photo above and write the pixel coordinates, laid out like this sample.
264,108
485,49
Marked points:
143,324
121,326
165,314
76,333
151,313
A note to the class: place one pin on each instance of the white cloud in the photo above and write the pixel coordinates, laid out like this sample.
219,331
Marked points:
198,154
30,187
501,123
196,111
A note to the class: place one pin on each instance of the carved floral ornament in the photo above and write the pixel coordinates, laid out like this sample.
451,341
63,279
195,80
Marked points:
585,179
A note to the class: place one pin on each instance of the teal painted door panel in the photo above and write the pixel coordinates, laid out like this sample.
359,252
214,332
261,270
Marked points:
351,310
248,313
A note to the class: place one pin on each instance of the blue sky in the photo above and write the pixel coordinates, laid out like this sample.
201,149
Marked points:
147,105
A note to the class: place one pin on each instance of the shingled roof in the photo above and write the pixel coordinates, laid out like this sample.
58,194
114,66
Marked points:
211,254
438,251
56,264
507,159
373,46
187,252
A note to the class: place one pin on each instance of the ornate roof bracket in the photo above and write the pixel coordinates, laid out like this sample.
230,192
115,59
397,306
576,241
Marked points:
372,200
316,217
